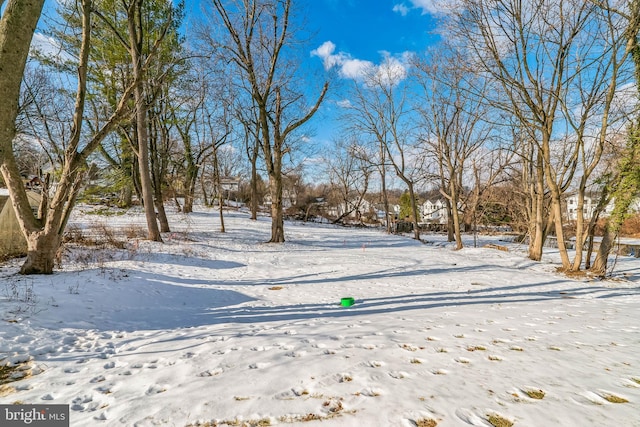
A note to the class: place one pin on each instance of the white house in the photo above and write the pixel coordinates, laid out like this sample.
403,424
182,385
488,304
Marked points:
289,199
434,212
590,206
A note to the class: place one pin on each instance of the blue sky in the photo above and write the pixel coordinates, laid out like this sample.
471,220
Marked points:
364,28
351,36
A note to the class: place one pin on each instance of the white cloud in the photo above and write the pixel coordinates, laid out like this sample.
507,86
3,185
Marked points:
401,8
325,52
49,48
433,7
355,69
344,103
391,70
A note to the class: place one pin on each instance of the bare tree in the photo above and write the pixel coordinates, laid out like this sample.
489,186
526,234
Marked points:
44,231
625,183
455,129
349,170
17,25
379,108
258,34
538,53
143,38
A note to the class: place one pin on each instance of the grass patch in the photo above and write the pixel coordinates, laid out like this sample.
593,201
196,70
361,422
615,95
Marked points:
614,399
636,380
409,347
476,348
345,378
426,422
498,421
237,423
6,390
106,212
275,288
535,394
9,374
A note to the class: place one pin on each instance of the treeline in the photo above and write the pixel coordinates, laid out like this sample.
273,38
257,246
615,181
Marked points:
520,105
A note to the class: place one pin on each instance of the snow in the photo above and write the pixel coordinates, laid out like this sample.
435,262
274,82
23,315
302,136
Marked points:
221,329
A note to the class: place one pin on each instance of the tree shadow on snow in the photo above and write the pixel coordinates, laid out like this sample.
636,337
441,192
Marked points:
411,302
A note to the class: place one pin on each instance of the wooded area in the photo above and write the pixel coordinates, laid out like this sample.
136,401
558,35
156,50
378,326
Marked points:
522,106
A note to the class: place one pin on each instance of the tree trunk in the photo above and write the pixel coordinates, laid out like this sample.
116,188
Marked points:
414,210
146,183
455,215
42,249
189,197
556,211
599,267
385,195
203,186
153,232
277,215
216,174
254,182
537,232
157,170
17,25
581,233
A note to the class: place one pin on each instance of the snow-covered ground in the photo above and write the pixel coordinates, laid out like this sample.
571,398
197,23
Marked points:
223,329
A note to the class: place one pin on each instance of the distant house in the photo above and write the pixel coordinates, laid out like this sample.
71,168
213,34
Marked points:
289,199
588,207
434,212
12,241
590,204
229,183
354,207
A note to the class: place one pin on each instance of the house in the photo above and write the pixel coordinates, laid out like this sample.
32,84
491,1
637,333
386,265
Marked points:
289,199
588,207
434,212
354,207
590,204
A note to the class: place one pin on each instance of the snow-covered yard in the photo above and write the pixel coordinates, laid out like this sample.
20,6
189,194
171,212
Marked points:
223,329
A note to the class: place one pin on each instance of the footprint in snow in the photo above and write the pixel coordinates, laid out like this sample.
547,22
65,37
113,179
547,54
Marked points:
211,372
258,365
371,392
80,402
399,375
98,379
469,417
156,389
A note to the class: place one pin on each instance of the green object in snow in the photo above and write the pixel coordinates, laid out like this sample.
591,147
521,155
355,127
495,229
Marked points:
347,302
